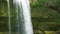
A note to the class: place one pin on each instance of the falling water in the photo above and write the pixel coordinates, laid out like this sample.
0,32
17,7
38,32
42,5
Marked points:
24,25
9,23
17,18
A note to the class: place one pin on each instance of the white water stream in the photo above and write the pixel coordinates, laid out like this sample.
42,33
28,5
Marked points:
25,25
23,17
9,22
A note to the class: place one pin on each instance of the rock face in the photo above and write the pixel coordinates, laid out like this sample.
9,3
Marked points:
57,32
3,23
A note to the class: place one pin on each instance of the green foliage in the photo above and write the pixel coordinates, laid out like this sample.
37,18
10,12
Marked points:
42,16
57,3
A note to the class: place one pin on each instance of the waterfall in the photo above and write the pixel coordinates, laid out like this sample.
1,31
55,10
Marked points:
9,22
23,17
24,26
